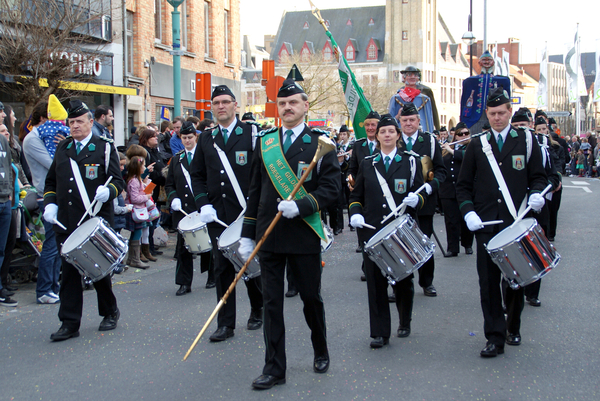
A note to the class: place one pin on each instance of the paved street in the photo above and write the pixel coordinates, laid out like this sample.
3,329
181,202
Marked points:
142,358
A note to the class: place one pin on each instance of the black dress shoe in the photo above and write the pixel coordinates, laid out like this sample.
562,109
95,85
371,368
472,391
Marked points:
491,350
352,228
337,231
363,277
392,298
513,339
291,293
211,284
110,322
430,291
321,364
221,334
469,251
379,342
255,321
64,333
359,249
264,382
450,254
403,332
534,301
551,239
184,289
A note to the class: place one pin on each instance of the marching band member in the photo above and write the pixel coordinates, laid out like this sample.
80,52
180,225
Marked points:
282,154
221,169
479,198
368,204
457,231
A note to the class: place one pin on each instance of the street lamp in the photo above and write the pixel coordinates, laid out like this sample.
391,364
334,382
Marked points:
177,53
469,37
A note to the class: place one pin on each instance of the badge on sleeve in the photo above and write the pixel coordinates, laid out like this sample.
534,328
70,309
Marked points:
302,167
241,158
518,162
400,186
91,171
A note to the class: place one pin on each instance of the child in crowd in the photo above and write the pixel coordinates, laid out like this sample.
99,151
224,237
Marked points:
138,198
580,163
54,126
121,211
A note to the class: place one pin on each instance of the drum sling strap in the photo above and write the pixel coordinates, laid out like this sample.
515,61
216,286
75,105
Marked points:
188,179
385,188
283,178
232,178
82,192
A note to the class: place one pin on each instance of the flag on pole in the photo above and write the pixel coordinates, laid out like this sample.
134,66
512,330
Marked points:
542,94
596,96
575,78
358,106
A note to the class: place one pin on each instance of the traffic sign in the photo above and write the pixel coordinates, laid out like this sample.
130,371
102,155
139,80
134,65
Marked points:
558,114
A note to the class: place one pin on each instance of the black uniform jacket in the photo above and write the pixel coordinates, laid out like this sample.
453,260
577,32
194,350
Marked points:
178,187
368,199
210,182
61,187
360,150
477,189
293,236
422,147
452,162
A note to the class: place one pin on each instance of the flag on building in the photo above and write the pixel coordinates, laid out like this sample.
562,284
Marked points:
575,80
542,94
596,96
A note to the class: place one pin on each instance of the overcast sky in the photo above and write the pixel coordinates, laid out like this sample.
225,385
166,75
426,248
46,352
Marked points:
533,22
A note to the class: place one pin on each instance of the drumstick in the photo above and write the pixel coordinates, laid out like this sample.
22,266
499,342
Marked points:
492,222
522,215
183,211
221,223
89,209
58,223
401,207
365,225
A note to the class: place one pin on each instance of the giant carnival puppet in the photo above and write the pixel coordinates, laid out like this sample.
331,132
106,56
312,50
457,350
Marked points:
418,94
475,93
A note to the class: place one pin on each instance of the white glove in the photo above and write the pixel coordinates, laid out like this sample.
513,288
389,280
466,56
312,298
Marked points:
289,209
412,200
102,194
536,201
473,221
176,204
51,213
129,207
357,221
246,248
208,214
428,189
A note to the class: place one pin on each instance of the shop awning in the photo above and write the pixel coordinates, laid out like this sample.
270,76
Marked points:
87,87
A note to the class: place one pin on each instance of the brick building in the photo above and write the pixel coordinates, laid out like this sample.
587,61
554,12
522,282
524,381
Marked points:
210,40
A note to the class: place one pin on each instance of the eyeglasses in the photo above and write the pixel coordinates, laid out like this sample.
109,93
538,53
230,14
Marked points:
463,133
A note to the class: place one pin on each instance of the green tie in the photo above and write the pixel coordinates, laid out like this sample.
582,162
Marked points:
370,147
409,144
288,140
189,157
387,163
79,147
225,135
500,143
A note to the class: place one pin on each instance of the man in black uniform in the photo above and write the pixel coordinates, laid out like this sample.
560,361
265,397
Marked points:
424,144
295,239
179,193
66,204
520,163
220,181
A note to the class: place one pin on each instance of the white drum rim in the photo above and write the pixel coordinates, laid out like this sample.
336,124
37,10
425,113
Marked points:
80,237
232,232
192,217
385,231
507,236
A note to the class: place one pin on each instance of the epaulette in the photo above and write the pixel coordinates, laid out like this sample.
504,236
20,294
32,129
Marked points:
371,156
320,131
412,153
107,139
180,152
259,125
267,131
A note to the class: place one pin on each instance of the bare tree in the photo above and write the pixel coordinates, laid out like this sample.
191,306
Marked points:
44,43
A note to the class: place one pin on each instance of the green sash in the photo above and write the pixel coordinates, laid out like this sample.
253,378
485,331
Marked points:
284,179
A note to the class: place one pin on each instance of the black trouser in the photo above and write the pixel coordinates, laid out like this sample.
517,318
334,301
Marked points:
553,207
379,304
426,271
11,241
332,211
224,275
184,271
456,228
306,269
495,324
71,293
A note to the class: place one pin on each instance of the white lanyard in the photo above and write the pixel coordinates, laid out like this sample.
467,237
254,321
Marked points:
232,178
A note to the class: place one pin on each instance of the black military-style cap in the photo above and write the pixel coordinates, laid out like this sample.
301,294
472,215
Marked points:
289,88
540,121
460,125
248,116
443,128
344,128
373,114
187,128
551,120
386,120
520,116
222,90
77,108
540,113
497,97
409,109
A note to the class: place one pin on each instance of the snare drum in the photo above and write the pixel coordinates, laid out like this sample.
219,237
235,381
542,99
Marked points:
523,253
229,242
399,249
94,249
195,233
326,244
